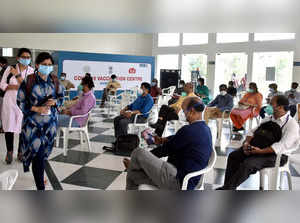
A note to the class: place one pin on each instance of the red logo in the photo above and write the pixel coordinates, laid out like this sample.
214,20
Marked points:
132,70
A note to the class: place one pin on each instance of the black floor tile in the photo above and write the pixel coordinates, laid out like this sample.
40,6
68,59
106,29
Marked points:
92,177
71,143
76,157
103,139
97,130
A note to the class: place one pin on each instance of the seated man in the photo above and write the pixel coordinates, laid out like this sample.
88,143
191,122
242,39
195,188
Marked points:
231,90
111,89
155,90
66,83
177,93
202,91
294,98
86,102
188,151
273,92
222,102
168,113
142,105
248,160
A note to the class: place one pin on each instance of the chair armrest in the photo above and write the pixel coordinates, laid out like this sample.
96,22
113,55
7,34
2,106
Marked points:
135,118
77,116
191,175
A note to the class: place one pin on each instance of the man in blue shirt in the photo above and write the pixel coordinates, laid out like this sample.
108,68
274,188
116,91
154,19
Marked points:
188,151
223,102
142,105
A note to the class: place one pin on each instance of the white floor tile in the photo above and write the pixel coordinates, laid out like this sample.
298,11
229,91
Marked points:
63,170
119,183
109,162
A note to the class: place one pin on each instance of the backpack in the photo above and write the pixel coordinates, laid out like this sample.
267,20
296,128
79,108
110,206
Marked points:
10,75
31,79
124,145
267,134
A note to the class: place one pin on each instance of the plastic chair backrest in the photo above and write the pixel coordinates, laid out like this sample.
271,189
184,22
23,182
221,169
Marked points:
8,179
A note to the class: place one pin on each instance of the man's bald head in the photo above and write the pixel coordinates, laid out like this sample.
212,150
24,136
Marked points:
193,102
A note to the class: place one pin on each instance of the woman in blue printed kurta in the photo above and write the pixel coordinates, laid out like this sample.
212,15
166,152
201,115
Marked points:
38,98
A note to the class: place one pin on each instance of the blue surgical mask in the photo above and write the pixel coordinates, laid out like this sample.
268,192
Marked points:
269,110
80,87
272,90
24,62
45,70
183,94
153,84
63,78
139,92
251,91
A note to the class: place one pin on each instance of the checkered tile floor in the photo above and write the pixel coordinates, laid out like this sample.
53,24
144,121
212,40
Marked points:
101,170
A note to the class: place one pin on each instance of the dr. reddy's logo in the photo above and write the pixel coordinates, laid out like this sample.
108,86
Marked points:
132,70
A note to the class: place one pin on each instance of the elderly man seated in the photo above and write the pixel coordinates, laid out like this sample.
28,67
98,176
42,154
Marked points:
250,159
188,151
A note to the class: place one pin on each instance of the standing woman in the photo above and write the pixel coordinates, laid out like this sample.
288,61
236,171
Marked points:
11,114
39,96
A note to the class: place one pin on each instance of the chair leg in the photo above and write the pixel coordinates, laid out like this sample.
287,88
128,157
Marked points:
66,140
262,181
57,137
88,140
289,177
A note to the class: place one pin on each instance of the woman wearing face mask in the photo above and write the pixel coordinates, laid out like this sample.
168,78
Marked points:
39,96
223,102
11,114
249,107
155,90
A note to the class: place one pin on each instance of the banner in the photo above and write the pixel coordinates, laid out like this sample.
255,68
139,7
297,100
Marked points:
128,74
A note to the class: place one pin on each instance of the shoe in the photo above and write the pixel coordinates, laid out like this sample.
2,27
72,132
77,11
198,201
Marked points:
154,126
9,157
20,157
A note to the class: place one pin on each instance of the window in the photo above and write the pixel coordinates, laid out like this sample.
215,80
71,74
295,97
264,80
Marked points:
195,38
193,62
168,39
7,52
273,36
232,37
283,64
168,61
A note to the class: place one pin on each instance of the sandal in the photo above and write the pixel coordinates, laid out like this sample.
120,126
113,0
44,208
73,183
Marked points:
9,157
20,157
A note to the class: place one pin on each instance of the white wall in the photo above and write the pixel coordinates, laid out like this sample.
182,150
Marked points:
250,47
131,44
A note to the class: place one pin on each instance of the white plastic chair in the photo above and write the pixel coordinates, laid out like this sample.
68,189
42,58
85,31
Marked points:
66,131
220,122
275,176
186,179
67,95
8,179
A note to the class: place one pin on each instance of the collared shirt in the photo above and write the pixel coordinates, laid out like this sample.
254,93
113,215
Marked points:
293,101
112,86
142,104
290,134
85,103
222,102
155,91
178,104
66,83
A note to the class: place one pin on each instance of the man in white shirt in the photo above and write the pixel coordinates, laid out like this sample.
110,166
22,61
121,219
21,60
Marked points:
294,98
244,161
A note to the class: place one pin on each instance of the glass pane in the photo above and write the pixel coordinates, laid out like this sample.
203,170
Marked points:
168,39
169,61
230,66
195,38
193,62
232,37
273,36
7,52
283,63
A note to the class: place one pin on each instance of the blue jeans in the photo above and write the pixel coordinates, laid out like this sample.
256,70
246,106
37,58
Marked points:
64,120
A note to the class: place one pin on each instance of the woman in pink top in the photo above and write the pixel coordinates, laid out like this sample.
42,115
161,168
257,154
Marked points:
11,114
86,102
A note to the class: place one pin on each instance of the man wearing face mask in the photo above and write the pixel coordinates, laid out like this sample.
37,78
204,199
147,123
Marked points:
66,83
155,90
142,105
248,159
273,92
188,151
223,102
168,113
294,98
111,89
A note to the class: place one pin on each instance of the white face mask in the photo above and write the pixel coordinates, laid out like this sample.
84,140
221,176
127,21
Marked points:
223,93
140,91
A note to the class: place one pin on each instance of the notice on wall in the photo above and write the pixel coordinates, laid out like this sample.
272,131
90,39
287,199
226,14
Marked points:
128,74
270,73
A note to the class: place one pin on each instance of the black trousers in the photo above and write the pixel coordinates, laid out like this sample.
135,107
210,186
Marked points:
240,167
262,112
106,92
9,139
167,114
38,169
121,124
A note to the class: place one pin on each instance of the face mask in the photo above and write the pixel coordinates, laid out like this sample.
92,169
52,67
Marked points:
272,90
186,113
140,92
223,93
80,87
63,78
153,84
293,89
251,91
269,110
45,70
180,85
24,62
183,94
113,80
